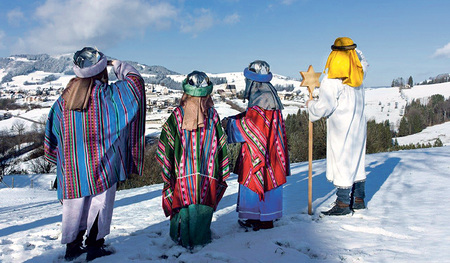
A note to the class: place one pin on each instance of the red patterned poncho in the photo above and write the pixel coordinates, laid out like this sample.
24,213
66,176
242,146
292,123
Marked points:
263,163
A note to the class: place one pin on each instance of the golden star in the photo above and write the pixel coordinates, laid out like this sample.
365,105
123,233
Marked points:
310,79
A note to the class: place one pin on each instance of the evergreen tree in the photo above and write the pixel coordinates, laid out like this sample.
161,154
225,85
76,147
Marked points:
410,82
438,143
416,121
379,137
403,129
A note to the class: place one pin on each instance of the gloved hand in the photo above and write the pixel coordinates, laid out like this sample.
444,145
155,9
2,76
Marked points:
224,123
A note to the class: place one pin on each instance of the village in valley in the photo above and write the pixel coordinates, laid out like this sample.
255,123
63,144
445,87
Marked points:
34,90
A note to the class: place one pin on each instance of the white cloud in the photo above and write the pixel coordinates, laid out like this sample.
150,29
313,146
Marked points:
68,25
443,51
201,20
232,19
15,17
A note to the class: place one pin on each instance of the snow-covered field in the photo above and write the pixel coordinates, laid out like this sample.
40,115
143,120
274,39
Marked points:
406,219
428,135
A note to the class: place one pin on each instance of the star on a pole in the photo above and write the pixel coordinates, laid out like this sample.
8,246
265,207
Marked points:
310,79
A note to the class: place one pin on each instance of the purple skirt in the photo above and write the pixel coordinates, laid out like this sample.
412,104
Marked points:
250,207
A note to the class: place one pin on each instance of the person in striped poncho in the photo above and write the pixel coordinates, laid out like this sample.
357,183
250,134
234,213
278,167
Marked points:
263,163
95,136
192,151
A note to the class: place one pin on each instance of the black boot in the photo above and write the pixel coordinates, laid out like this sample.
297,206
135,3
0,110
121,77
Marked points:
75,248
338,209
97,249
266,224
250,223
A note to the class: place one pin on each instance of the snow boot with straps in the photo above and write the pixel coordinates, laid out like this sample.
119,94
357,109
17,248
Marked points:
358,204
338,209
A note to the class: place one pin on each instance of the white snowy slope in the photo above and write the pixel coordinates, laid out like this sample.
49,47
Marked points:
406,219
428,135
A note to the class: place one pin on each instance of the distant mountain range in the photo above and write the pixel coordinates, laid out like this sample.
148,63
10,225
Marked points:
17,65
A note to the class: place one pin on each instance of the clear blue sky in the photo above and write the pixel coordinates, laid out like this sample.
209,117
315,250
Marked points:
399,38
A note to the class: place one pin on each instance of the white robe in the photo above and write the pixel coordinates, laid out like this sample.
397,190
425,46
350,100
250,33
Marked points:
80,213
343,106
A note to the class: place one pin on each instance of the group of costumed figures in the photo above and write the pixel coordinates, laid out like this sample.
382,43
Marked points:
95,136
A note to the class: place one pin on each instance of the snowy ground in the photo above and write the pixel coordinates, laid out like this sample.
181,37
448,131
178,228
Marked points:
406,220
428,135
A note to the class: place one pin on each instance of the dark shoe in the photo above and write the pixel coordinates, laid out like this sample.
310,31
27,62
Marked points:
358,204
339,209
72,252
75,248
250,223
96,252
266,224
97,249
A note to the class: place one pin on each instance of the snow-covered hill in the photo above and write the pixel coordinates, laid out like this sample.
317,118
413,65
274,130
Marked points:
389,103
406,220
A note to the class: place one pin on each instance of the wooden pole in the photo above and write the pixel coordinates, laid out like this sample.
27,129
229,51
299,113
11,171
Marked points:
310,80
310,159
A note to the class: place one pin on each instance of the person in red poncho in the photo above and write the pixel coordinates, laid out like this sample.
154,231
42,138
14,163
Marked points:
263,163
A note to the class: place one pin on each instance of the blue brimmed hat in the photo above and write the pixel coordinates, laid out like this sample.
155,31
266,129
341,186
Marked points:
259,71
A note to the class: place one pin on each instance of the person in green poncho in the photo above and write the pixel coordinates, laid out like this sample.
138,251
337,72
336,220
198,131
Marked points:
193,154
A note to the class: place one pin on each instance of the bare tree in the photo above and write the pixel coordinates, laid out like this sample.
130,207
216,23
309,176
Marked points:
5,167
6,142
41,166
18,128
39,125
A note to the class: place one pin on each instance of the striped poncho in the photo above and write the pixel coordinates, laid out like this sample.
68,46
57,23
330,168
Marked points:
97,147
195,163
263,163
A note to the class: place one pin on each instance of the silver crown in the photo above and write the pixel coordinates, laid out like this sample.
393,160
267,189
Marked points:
259,67
86,57
198,79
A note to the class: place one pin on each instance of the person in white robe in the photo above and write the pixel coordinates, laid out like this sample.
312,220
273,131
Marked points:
341,101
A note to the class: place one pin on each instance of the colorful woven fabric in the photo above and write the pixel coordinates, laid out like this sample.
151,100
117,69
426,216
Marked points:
95,148
264,160
195,163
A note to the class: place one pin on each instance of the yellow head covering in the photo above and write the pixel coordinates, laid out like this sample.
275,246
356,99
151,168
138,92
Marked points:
343,63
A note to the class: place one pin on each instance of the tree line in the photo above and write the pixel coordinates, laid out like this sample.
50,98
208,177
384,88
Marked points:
418,116
379,139
402,83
